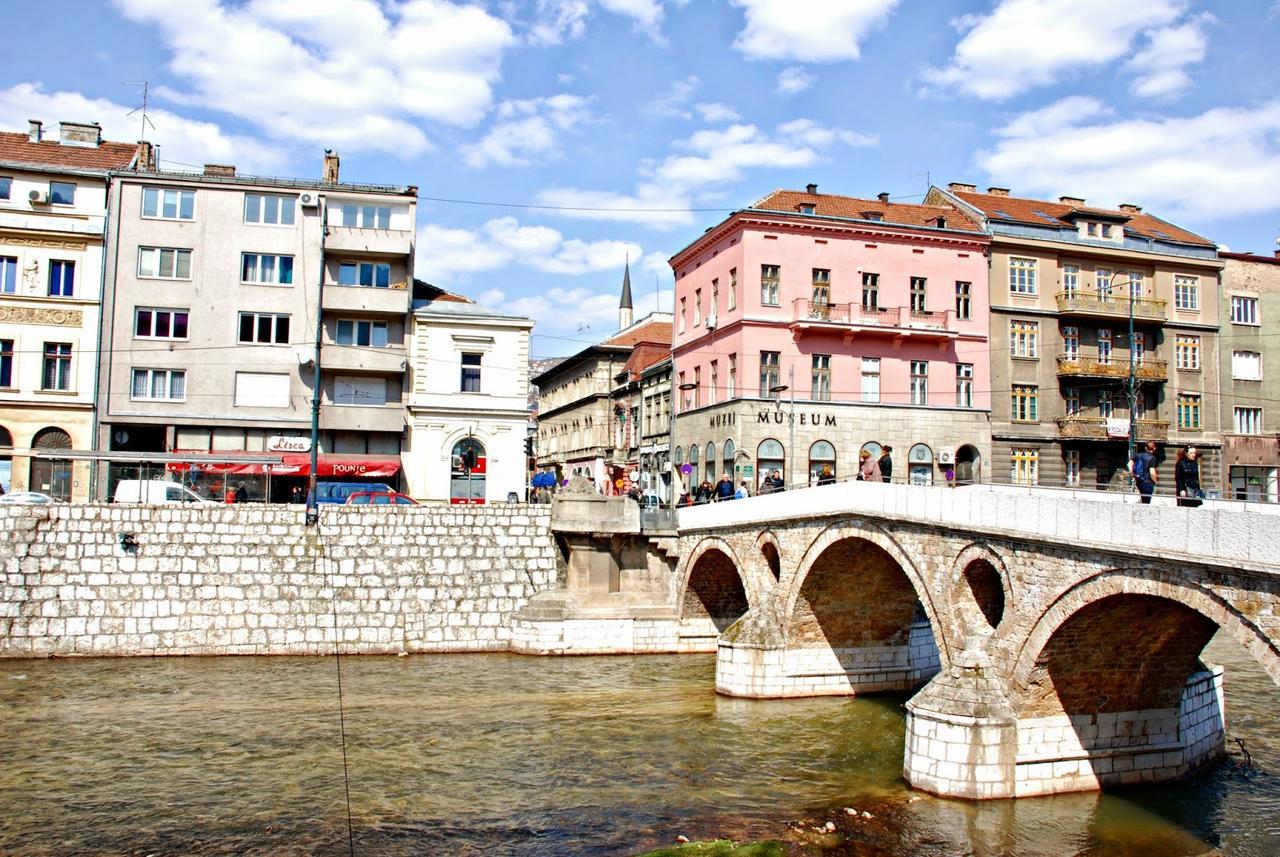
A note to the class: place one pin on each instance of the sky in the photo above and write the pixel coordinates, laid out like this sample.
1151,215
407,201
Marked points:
554,140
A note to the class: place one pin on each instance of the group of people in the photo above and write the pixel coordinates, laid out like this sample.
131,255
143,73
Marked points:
1186,474
705,492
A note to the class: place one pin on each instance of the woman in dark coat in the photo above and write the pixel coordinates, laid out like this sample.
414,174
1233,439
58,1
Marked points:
1186,477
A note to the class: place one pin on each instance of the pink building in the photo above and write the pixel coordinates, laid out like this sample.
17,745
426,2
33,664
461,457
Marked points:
811,326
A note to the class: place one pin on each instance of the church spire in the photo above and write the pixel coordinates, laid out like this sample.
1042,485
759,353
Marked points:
625,306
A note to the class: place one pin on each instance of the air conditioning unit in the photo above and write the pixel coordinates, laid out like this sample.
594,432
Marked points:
38,197
710,322
308,200
946,456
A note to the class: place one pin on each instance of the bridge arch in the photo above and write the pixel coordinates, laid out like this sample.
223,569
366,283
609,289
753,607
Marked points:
713,586
768,548
979,589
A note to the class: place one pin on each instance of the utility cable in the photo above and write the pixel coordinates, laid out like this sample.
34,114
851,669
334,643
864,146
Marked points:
342,721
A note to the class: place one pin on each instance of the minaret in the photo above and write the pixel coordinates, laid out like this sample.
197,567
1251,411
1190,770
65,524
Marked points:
624,306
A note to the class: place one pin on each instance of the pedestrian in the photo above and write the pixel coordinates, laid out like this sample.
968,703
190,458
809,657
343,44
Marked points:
241,494
724,488
951,477
1143,468
776,482
826,477
1186,477
886,464
868,469
295,495
743,491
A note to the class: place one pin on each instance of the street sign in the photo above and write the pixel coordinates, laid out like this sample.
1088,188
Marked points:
747,469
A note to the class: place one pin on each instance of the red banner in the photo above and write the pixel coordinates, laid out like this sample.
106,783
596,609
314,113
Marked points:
299,464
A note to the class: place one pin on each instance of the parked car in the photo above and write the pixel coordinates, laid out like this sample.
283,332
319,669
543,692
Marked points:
380,498
16,497
338,492
154,491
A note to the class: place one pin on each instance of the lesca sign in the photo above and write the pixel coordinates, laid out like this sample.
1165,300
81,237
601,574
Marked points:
278,443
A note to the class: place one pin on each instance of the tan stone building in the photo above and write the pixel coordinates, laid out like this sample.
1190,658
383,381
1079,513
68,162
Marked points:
1065,278
53,206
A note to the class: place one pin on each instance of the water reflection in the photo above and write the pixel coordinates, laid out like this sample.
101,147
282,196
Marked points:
495,754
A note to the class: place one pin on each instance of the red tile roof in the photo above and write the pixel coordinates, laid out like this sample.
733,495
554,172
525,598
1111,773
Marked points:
1013,209
908,214
18,148
654,331
644,355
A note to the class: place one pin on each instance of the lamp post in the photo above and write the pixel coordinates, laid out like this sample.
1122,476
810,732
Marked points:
791,442
671,442
1132,387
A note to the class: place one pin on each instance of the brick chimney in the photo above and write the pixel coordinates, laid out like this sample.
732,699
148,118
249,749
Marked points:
35,132
1071,200
329,174
883,196
961,187
79,133
998,191
145,160
227,170
811,188
1130,208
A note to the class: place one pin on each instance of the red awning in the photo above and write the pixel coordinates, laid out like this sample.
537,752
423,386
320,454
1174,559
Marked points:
298,464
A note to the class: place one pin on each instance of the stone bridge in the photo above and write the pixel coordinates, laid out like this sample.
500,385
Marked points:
1055,638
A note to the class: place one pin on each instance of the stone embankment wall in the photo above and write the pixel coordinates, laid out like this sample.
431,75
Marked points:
255,580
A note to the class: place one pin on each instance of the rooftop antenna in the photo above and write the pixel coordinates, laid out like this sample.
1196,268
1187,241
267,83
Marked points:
146,87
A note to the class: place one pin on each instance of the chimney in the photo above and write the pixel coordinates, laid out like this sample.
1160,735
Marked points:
883,196
961,187
811,188
145,160
36,132
79,133
329,174
1071,200
227,170
998,191
1130,208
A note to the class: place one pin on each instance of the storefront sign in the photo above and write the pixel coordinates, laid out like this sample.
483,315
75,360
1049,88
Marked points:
802,418
1117,427
722,420
279,443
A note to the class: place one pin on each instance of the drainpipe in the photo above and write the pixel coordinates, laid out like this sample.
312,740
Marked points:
313,512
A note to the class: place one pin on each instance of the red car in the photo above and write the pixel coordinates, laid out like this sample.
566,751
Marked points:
380,498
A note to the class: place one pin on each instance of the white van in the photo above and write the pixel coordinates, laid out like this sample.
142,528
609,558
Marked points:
154,491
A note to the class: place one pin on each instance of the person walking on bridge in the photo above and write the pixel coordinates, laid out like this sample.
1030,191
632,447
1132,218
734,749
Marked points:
1143,468
1186,477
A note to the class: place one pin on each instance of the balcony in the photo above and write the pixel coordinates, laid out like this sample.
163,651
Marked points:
350,240
1093,305
1116,368
358,358
363,299
1115,428
363,419
849,319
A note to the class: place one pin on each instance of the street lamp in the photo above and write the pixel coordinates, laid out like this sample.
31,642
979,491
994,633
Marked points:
791,443
1132,390
671,443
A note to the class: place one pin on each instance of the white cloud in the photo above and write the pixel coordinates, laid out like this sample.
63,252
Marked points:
794,80
557,21
353,73
1160,67
183,143
1023,44
647,14
446,254
1224,162
527,130
675,101
809,30
577,310
714,113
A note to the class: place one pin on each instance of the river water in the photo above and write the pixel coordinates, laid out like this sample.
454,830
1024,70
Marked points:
506,755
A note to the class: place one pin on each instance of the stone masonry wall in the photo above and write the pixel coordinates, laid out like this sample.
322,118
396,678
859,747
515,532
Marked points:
256,580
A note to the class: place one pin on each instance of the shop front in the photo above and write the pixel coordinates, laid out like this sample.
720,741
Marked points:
283,482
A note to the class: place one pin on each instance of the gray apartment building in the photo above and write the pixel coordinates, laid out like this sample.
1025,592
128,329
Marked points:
215,284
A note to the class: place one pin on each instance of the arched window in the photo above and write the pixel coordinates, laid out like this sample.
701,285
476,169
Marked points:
51,476
920,464
710,462
727,457
770,456
6,463
693,462
872,447
822,463
6,439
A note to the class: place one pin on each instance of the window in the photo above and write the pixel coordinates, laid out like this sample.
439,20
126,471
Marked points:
1186,292
168,385
697,307
1139,347
870,291
6,363
768,373
164,263
964,297
262,269
917,295
684,309
269,209
1186,352
1246,365
264,328
62,278
1024,466
1188,411
1071,458
714,390
470,373
62,193
371,333
1071,342
366,216
1024,339
1104,347
1248,420
1091,229
733,288
1022,276
1106,405
821,289
376,275
714,309
770,277
964,385
1070,280
808,208
710,462
356,391
1102,283
1106,230
6,187
153,323
168,204
8,275
733,376
1071,400
1136,284
1025,403
262,390
697,386
820,381
1244,310
57,366
870,379
919,382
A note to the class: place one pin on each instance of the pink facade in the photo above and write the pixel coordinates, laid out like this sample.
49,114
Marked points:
848,288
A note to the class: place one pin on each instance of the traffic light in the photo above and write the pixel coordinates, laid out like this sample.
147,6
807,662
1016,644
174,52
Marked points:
469,459
528,446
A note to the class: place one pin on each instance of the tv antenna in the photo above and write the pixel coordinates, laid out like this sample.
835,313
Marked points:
146,87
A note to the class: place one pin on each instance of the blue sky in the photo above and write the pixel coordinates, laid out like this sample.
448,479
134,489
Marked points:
662,116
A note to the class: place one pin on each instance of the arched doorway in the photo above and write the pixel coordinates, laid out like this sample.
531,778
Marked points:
467,472
968,465
822,462
51,476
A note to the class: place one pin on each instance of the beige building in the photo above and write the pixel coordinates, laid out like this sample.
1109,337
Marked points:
53,206
215,281
1065,278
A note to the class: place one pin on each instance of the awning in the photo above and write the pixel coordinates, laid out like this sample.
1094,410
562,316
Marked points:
293,464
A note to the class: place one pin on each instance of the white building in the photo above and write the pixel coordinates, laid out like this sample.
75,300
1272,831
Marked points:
469,383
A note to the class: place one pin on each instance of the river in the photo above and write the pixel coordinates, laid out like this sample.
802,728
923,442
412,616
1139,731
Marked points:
505,755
